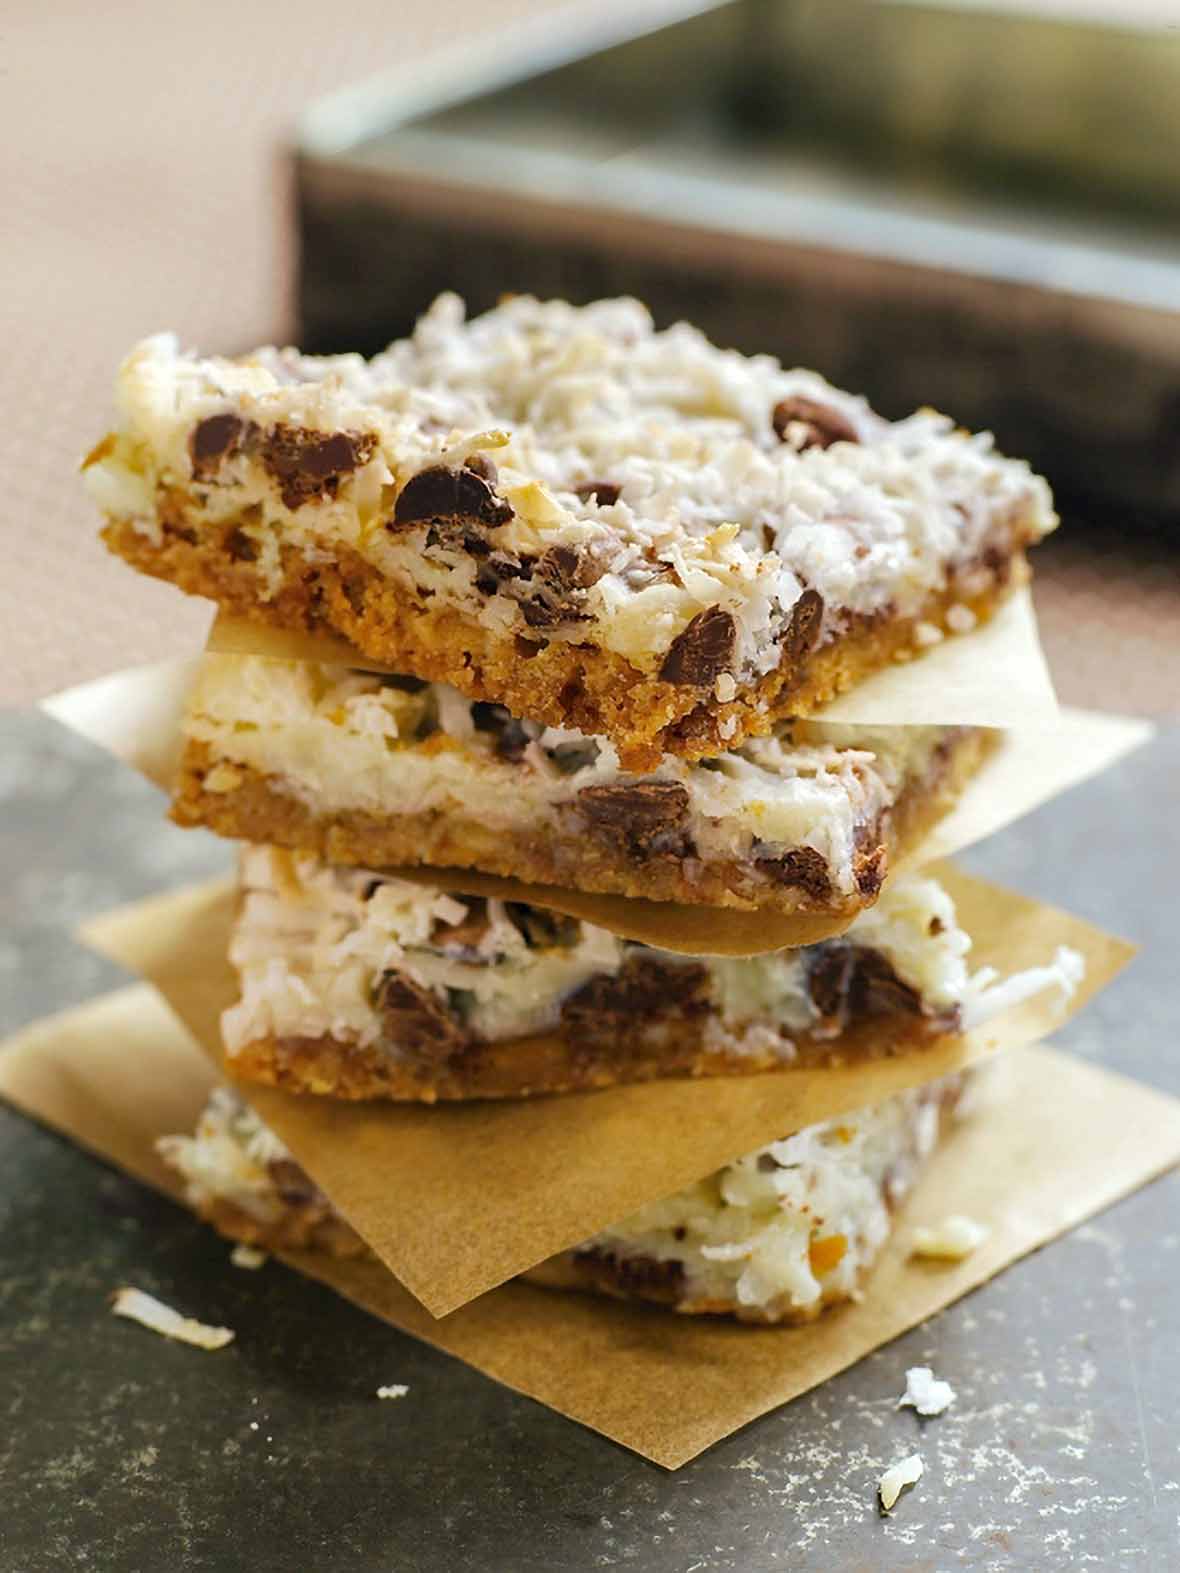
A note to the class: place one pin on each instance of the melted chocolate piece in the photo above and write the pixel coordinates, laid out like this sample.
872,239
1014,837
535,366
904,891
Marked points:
240,547
512,737
440,492
803,867
291,1182
702,651
559,580
212,440
479,464
604,493
644,986
542,929
822,424
870,858
646,1276
415,1020
647,817
467,933
849,983
310,464
803,630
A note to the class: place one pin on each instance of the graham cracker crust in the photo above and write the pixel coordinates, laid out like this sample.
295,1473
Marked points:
531,1067
259,810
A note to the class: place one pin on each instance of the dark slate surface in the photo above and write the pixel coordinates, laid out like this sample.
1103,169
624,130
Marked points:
119,1451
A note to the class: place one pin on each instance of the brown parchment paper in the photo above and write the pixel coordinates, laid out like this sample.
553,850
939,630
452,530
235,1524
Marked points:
1067,1140
507,1184
995,675
138,716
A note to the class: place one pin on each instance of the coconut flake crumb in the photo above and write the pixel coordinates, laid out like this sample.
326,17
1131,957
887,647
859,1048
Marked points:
906,1472
394,1390
160,1318
960,619
925,1393
249,1256
951,1240
926,634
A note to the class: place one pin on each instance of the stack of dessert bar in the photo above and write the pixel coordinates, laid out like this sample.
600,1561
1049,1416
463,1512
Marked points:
589,585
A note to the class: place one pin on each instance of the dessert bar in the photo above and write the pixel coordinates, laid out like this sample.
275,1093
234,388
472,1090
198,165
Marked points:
772,1237
628,533
359,984
388,772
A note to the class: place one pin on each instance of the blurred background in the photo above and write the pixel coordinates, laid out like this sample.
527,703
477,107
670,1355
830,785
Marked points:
970,203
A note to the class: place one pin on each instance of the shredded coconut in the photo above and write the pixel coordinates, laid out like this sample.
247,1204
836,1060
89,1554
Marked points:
341,741
727,509
312,941
951,1240
906,1472
160,1318
925,1392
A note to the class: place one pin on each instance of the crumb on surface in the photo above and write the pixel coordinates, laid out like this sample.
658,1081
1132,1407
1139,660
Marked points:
906,1472
955,1237
394,1390
248,1256
160,1318
926,1393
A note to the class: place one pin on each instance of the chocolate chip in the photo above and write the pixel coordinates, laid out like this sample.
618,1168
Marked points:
213,440
604,493
240,547
309,464
829,978
703,651
414,1019
441,492
643,987
497,570
822,425
804,628
876,990
648,817
541,929
404,684
646,1276
466,934
802,867
849,983
291,1183
569,758
558,581
479,464
512,738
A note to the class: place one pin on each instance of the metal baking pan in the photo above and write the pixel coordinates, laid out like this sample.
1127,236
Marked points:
931,203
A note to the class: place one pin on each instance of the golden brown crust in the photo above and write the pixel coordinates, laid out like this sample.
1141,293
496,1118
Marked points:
592,690
527,1067
310,1226
259,810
